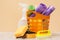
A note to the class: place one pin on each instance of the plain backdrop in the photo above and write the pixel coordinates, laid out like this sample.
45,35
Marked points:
10,13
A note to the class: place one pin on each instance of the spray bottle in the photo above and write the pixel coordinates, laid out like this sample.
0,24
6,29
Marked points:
22,24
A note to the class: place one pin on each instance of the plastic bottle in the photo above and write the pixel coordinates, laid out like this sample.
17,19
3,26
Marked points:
30,9
23,20
22,24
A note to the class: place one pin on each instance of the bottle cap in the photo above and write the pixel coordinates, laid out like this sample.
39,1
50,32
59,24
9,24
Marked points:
31,7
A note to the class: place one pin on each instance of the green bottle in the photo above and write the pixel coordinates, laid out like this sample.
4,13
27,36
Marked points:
31,7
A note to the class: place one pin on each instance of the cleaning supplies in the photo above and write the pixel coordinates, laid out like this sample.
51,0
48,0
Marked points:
49,10
31,8
34,22
22,25
41,8
39,23
21,31
23,20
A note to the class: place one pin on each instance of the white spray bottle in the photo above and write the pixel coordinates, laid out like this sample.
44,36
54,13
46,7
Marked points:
22,24
23,20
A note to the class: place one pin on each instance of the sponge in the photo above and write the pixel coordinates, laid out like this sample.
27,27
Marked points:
21,31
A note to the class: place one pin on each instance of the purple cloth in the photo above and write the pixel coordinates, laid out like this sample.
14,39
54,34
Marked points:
49,10
41,8
32,15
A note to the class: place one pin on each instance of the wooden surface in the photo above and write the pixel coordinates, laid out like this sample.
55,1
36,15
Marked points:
10,36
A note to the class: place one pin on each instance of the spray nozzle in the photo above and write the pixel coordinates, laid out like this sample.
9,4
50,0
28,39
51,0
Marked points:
23,5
